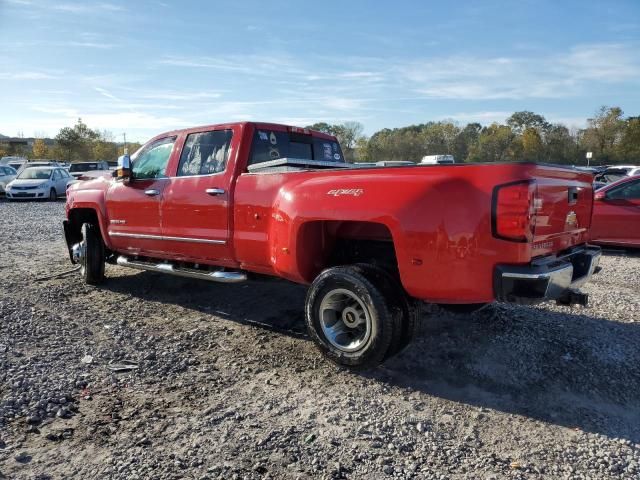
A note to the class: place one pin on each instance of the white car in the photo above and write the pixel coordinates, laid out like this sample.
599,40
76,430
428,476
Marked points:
7,174
39,183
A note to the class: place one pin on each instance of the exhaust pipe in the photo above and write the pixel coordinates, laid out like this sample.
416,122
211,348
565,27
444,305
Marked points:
213,276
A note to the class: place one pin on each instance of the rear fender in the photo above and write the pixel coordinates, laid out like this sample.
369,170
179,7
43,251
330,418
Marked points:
298,242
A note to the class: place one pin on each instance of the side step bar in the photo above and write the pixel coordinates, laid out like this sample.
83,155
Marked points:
214,276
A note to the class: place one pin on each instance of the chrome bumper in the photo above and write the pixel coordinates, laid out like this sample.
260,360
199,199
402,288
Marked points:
549,278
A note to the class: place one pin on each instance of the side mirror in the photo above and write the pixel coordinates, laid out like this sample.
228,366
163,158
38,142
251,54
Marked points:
124,168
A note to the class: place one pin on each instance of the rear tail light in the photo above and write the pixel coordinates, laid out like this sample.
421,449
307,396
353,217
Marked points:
513,215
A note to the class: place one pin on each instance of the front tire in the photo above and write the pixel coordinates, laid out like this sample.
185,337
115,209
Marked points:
53,196
348,318
92,259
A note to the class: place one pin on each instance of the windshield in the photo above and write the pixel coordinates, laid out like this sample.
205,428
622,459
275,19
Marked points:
35,174
272,144
83,167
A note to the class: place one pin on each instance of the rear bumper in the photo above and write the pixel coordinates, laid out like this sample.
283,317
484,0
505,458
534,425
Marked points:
548,278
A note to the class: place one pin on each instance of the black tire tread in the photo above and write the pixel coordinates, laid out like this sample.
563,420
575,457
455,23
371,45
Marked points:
94,268
388,322
405,307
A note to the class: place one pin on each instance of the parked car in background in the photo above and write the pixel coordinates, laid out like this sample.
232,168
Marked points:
38,163
7,174
13,161
39,183
616,214
79,169
615,173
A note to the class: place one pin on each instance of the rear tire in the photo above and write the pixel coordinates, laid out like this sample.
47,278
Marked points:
92,263
53,196
349,318
399,303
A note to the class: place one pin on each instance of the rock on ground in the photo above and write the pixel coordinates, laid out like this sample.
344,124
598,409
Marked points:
225,384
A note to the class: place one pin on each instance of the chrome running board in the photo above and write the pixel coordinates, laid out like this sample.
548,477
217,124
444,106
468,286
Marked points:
164,267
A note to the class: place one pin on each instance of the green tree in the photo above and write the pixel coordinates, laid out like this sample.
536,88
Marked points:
603,133
493,144
439,138
532,147
520,121
362,150
467,138
629,147
560,145
76,142
323,127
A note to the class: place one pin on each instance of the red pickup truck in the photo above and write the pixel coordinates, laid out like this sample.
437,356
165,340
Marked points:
224,201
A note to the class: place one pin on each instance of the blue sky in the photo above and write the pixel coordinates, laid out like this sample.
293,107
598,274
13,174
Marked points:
143,67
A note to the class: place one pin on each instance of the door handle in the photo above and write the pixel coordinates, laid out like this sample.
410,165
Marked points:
152,192
215,191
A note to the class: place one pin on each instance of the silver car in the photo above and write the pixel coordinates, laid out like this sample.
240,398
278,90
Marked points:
39,183
7,174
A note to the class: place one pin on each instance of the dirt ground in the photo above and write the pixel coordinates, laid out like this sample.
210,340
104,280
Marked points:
228,385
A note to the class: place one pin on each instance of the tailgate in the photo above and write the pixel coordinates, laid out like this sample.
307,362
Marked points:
563,207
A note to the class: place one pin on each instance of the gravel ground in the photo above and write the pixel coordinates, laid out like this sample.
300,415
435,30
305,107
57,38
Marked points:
227,384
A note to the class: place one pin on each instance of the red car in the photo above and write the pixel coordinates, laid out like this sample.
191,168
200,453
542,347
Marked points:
616,214
220,202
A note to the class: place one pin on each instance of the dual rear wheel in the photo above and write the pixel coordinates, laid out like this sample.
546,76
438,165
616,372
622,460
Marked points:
359,315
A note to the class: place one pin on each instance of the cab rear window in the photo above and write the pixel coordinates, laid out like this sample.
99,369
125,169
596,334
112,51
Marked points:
271,145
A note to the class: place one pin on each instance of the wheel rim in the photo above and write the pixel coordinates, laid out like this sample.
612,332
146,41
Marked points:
345,321
82,250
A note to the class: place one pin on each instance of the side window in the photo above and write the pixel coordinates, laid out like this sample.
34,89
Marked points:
56,175
151,161
205,153
628,191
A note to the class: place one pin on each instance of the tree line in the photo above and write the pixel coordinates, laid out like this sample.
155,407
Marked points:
76,143
611,137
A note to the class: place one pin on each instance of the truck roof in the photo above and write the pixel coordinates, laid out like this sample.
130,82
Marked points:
262,125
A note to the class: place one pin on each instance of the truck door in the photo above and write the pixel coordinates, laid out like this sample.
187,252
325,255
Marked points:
197,198
133,208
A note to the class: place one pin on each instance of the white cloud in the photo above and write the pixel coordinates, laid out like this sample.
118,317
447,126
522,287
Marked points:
553,76
181,96
26,76
87,7
106,93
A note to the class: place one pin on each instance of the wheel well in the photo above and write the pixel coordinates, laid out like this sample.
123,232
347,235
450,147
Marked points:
77,217
331,243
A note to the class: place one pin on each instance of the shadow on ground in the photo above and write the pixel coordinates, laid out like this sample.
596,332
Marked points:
562,367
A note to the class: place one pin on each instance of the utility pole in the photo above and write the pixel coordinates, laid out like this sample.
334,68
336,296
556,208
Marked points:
125,144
